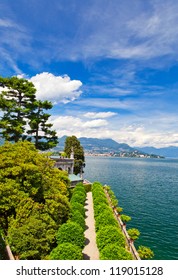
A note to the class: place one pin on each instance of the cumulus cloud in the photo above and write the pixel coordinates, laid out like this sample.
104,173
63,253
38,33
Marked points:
56,88
101,115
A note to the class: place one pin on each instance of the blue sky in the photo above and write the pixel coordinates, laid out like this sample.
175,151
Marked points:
109,67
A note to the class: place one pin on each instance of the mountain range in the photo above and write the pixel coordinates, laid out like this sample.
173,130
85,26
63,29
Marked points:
96,145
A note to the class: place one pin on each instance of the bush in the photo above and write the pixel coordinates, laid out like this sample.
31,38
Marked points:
105,218
78,197
79,188
66,251
114,252
99,200
125,218
77,206
109,235
145,253
78,218
99,208
71,232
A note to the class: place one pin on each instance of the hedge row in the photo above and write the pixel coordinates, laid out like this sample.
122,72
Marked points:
110,240
70,236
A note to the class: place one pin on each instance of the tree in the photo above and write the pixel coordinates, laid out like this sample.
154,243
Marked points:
22,110
145,253
72,144
45,138
25,173
17,102
133,233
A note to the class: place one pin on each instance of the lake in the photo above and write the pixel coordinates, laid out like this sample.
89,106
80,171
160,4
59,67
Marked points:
147,189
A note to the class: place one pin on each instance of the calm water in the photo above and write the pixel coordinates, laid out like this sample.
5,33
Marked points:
147,189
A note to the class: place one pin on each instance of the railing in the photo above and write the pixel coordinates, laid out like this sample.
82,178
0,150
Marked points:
123,228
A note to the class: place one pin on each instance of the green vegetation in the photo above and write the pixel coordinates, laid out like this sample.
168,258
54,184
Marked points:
66,251
21,110
133,233
145,253
34,200
115,252
72,144
110,239
70,236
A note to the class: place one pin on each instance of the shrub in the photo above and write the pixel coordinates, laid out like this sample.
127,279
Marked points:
125,218
71,232
145,253
133,233
99,208
109,235
78,218
66,251
79,188
114,252
78,197
99,200
105,218
77,206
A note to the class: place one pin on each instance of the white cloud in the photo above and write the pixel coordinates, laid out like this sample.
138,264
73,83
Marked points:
56,88
101,115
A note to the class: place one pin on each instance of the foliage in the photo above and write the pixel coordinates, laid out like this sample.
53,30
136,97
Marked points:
66,251
88,187
2,247
71,232
73,144
31,186
99,208
105,218
114,252
77,206
77,217
133,233
78,197
109,235
40,128
125,218
31,234
145,253
20,110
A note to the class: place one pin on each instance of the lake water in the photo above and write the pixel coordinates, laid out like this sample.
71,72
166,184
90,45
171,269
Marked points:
147,189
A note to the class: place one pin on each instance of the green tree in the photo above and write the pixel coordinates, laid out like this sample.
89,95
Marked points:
145,253
17,102
40,129
25,173
72,144
21,110
133,233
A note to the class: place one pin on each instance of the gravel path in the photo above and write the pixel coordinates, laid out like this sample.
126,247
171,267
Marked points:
90,251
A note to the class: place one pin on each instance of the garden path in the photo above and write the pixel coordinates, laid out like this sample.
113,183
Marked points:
90,251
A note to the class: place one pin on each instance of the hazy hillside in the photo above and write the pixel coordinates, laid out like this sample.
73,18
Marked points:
166,152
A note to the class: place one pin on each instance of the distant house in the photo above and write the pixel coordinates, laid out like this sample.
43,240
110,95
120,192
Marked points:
67,164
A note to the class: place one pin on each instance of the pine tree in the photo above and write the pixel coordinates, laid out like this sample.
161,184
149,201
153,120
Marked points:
17,102
40,129
25,117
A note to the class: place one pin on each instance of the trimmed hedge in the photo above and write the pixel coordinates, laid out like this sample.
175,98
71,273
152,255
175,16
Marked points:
105,218
77,206
71,232
109,235
66,251
78,218
99,208
78,197
114,252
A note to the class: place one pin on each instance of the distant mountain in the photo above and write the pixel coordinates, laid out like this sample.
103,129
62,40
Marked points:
170,151
106,146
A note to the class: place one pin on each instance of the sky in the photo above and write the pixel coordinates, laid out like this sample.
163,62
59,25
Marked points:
110,68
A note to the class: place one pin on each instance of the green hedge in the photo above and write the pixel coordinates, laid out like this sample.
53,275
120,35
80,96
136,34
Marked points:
114,252
99,208
77,206
109,235
71,232
78,197
66,251
78,218
105,218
